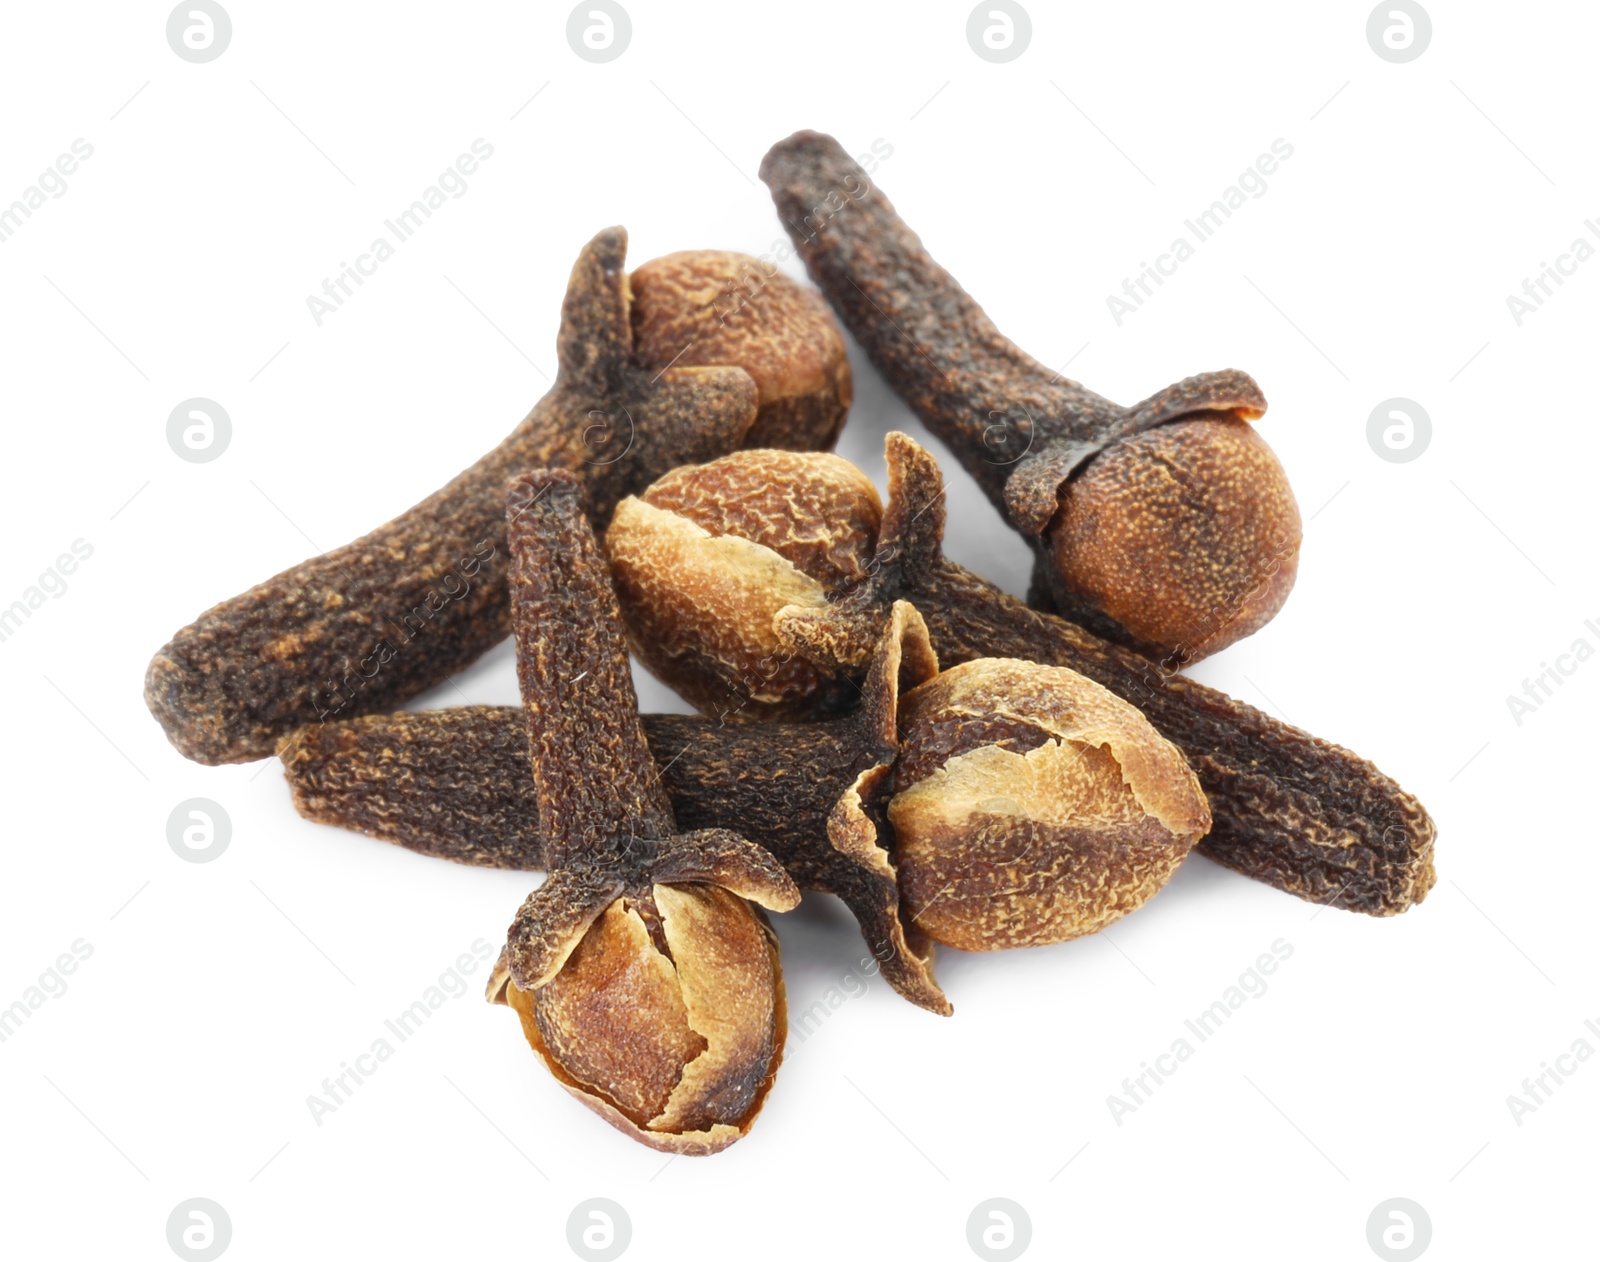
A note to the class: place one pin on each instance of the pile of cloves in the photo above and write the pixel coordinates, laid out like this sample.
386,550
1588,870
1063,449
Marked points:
957,766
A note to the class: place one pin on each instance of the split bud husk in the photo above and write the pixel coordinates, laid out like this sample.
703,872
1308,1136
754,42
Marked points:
667,1018
712,307
1032,806
700,597
642,976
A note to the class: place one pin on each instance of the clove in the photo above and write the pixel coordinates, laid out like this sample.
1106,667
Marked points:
367,626
1008,804
1168,526
641,973
1288,809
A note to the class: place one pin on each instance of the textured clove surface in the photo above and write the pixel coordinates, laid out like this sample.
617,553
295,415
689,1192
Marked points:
708,307
1032,806
369,625
1176,546
1289,809
641,974
454,783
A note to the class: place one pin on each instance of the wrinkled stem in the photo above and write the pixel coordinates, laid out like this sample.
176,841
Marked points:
1293,811
455,784
989,402
367,626
594,780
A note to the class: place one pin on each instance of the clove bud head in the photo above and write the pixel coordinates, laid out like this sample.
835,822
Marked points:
1179,540
709,308
667,1018
705,558
1032,806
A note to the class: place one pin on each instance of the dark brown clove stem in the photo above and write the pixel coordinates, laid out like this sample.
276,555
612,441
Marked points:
365,627
453,783
1288,809
1176,544
641,975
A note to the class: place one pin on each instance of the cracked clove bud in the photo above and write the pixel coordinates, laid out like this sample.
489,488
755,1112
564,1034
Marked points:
1168,526
367,626
1032,806
1028,805
1296,812
639,970
700,600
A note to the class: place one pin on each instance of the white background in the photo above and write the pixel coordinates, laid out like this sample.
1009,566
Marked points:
177,264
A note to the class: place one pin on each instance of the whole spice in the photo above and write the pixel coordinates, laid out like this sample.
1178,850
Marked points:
1291,810
1168,526
641,974
365,627
1010,804
709,307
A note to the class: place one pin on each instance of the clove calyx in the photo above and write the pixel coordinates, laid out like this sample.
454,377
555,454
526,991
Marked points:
364,627
1168,526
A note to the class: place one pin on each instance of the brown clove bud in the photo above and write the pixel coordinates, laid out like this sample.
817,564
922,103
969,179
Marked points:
1168,526
367,626
700,600
641,974
709,307
1289,809
1028,805
1032,806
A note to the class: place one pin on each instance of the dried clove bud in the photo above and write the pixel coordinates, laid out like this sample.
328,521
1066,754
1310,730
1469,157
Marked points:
700,601
1032,806
365,627
1028,805
1168,526
641,974
709,307
453,783
1291,810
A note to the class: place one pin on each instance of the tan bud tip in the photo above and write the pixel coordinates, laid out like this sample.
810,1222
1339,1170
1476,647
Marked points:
704,308
1185,536
667,1019
1033,806
705,559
